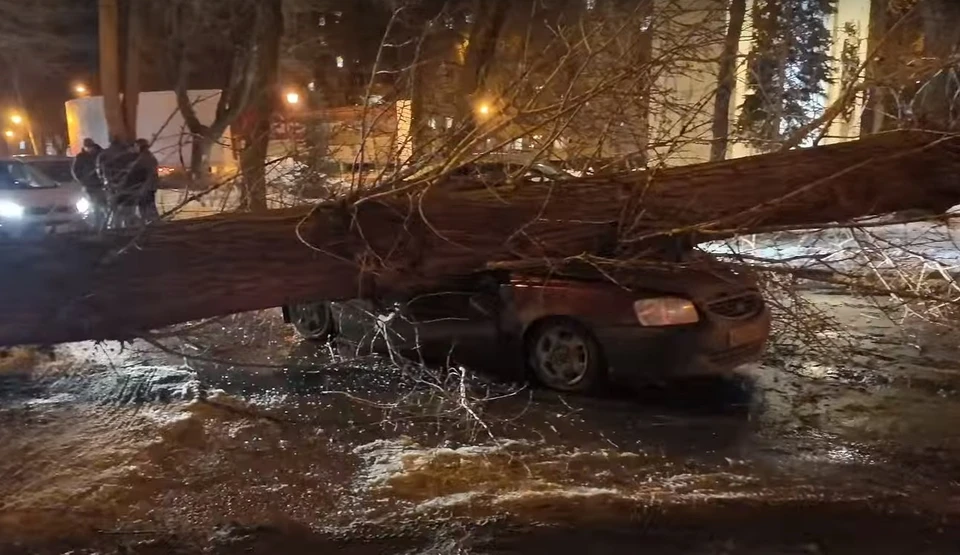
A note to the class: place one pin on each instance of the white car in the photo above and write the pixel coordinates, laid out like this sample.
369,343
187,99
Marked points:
38,197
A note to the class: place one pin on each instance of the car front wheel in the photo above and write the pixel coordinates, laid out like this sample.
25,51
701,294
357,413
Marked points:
313,321
565,356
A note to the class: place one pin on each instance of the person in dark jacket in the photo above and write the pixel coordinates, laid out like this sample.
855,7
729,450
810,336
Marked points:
85,172
121,176
147,203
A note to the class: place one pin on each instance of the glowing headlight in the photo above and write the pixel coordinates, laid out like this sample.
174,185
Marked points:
83,206
665,311
9,209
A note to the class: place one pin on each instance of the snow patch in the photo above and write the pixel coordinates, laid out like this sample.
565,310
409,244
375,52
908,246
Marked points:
573,492
389,458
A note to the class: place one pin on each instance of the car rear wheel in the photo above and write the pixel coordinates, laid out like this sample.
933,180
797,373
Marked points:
565,356
313,321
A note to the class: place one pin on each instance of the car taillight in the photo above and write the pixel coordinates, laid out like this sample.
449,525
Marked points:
665,311
164,171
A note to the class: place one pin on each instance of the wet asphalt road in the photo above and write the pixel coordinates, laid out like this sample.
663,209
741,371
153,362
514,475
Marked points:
135,450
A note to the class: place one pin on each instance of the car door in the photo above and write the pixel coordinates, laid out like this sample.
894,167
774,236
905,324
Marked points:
464,314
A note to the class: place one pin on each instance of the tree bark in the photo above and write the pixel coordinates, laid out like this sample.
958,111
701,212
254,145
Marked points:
937,107
109,13
490,18
133,58
28,123
123,283
727,79
234,98
254,154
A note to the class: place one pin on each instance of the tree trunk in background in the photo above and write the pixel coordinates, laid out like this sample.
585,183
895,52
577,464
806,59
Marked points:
133,58
490,16
28,122
727,79
254,154
871,120
236,92
937,105
109,11
75,287
253,159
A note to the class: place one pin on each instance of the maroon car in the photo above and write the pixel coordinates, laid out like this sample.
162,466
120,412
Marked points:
573,330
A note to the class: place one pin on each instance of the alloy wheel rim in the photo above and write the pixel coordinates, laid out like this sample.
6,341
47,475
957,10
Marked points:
561,357
311,318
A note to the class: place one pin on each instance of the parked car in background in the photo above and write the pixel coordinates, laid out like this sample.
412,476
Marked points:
39,196
57,168
572,330
496,169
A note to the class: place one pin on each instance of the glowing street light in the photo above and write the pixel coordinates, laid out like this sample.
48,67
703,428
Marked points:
80,89
17,119
484,109
293,98
8,134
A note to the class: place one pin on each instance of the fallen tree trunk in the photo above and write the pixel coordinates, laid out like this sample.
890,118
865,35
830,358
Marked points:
118,285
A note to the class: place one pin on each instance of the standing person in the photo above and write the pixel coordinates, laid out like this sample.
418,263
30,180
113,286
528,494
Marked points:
85,172
117,168
147,203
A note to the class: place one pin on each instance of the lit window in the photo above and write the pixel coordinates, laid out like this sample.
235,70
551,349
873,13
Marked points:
311,86
591,4
468,18
518,144
322,21
448,122
432,123
339,61
537,137
448,21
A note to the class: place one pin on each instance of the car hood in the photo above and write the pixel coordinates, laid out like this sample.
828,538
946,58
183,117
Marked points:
65,195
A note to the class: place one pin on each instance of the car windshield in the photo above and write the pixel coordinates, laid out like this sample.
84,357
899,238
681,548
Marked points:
60,171
15,175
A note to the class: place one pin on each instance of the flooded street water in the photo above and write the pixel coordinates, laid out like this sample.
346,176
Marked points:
130,449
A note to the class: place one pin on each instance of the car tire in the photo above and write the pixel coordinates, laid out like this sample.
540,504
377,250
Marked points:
564,355
313,321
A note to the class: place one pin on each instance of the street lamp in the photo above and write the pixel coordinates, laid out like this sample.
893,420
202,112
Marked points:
293,98
484,109
8,134
80,89
17,119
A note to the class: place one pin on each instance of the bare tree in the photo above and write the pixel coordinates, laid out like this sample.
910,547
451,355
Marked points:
256,143
110,57
192,25
120,61
727,79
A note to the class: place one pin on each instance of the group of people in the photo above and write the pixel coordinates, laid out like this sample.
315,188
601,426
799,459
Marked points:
121,182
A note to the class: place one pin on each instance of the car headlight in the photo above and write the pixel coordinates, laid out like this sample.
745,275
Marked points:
665,311
10,209
83,206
